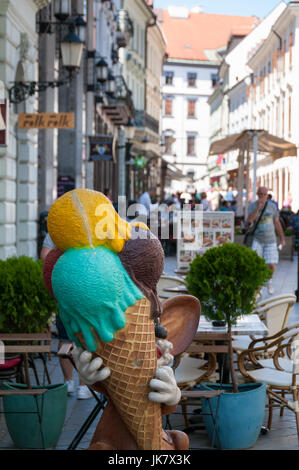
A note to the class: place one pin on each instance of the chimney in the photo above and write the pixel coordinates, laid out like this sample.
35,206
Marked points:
197,9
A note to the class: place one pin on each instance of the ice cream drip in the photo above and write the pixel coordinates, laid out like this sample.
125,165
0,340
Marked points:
143,258
93,291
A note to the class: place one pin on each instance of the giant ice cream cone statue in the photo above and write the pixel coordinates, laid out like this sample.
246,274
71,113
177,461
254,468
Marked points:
132,359
107,302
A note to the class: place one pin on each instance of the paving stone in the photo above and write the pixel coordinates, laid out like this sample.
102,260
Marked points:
283,435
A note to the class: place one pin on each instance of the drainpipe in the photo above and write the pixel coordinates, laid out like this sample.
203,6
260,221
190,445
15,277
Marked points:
280,39
148,25
89,125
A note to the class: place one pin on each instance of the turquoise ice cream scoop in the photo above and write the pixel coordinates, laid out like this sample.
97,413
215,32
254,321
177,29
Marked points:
93,291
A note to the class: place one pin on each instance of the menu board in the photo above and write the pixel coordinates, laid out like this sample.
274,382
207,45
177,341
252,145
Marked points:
199,231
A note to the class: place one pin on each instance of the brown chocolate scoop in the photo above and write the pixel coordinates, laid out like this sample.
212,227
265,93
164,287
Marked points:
143,259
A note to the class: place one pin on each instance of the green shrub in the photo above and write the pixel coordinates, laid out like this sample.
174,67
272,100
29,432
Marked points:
289,232
25,304
225,280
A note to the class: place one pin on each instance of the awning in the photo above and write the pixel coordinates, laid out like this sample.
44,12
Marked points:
174,173
267,143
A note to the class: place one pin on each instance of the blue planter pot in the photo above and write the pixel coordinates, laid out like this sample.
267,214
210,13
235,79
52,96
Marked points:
22,421
240,415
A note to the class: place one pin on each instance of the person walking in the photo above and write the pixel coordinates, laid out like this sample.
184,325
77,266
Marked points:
264,241
145,200
204,201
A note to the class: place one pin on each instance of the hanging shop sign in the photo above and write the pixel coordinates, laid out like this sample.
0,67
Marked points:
65,184
101,147
46,121
140,161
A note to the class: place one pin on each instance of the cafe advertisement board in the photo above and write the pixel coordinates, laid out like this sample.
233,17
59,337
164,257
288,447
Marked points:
198,231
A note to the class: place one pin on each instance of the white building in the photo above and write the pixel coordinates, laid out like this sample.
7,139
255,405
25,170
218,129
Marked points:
275,102
18,158
194,44
230,106
261,74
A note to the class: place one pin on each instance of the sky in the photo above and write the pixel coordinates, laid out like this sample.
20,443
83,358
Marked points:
259,8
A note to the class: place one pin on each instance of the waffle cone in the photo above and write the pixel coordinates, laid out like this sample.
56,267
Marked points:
132,359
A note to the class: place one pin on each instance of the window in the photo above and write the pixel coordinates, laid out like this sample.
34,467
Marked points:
191,145
191,108
284,48
290,49
168,107
168,78
191,77
168,140
290,114
215,79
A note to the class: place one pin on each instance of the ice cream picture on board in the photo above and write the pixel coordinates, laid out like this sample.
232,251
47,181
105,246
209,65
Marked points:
103,274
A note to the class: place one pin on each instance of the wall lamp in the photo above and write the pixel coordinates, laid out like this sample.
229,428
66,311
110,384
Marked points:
71,53
61,9
102,78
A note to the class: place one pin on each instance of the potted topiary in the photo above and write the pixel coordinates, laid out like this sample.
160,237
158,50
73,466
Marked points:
225,280
287,252
25,304
27,307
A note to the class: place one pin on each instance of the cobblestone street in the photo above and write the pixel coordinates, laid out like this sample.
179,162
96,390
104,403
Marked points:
283,435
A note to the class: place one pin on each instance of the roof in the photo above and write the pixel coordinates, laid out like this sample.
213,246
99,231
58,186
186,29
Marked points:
188,38
267,143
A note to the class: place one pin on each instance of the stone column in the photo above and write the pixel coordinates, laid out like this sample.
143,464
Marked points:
70,148
47,174
90,46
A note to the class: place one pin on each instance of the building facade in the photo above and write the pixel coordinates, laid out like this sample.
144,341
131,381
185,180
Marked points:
274,102
190,77
19,154
259,77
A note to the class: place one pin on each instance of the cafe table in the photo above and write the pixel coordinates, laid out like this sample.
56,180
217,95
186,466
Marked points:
177,289
246,325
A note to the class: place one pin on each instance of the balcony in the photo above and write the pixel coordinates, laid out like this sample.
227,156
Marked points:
125,29
119,108
144,120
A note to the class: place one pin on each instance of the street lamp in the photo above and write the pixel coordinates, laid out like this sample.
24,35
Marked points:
101,70
61,9
110,84
130,131
80,24
71,50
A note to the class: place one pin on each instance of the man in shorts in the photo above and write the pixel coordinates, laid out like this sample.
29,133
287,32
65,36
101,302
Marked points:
264,242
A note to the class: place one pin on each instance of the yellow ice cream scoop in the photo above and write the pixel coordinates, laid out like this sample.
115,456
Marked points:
86,218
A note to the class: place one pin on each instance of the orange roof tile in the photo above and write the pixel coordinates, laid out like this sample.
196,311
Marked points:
187,38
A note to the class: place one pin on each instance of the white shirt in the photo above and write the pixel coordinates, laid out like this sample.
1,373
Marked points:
48,242
145,201
205,205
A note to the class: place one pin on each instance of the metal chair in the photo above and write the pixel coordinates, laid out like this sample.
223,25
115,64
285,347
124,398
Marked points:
65,352
280,372
168,281
274,313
